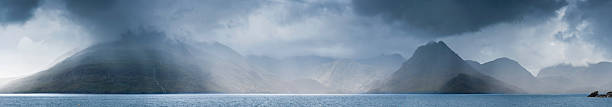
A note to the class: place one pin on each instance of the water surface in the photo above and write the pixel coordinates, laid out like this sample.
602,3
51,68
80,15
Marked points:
404,100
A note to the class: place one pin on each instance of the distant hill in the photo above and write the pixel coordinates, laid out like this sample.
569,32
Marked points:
435,68
149,64
565,78
509,71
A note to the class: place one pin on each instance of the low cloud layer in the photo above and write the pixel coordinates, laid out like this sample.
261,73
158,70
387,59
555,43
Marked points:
450,17
17,11
321,28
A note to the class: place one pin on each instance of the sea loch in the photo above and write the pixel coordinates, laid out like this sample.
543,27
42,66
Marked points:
352,100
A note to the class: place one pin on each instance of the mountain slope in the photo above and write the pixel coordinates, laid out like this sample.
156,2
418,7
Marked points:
152,65
435,68
4,81
509,71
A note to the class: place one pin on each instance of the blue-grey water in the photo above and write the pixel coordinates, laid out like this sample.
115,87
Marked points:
233,100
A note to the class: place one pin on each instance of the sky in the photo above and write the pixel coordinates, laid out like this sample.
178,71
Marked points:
36,34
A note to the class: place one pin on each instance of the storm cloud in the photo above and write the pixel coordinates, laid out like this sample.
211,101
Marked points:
590,20
17,11
450,17
108,19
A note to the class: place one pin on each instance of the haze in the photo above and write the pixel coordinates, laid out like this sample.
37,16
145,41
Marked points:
35,35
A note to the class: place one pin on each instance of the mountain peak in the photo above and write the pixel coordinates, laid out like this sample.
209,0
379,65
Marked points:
434,46
436,51
503,60
435,68
439,44
504,65
509,71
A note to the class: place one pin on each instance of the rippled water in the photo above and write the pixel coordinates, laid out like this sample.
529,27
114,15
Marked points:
404,100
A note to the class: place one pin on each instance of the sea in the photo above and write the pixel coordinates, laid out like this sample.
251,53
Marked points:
300,100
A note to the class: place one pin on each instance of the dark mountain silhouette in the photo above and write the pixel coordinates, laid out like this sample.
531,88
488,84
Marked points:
435,68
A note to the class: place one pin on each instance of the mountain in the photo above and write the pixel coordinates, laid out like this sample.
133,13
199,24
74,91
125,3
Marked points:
474,64
566,78
561,78
509,71
435,68
560,70
596,72
147,63
600,71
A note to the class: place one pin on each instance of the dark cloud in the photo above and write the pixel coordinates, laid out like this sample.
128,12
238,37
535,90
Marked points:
448,17
17,11
108,19
591,20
